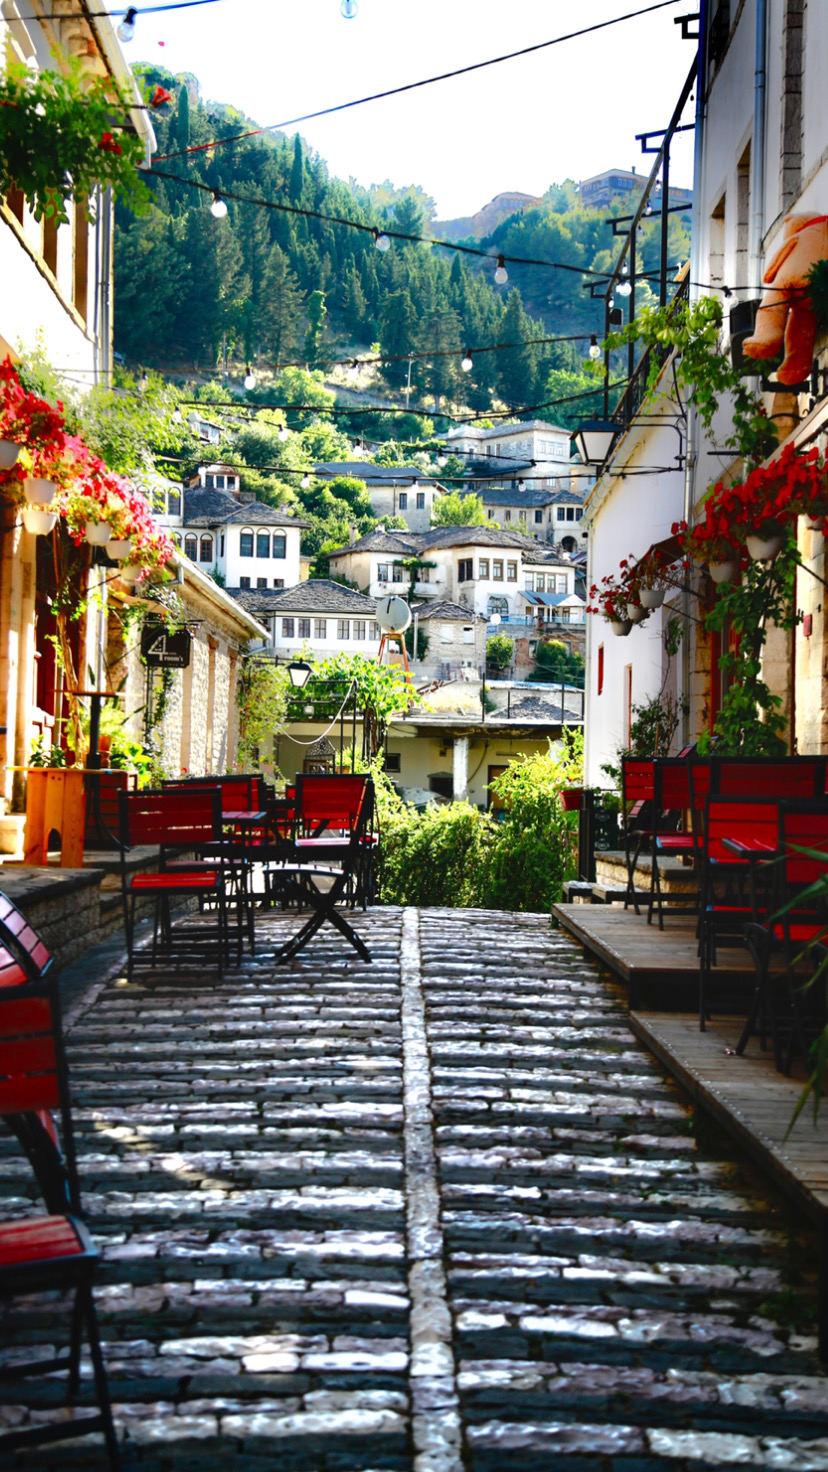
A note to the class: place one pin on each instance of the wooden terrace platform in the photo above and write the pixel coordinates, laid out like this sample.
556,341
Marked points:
743,1095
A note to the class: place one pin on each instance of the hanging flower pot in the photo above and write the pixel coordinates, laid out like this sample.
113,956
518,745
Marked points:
118,548
724,572
97,533
816,523
763,549
38,521
131,572
620,626
9,452
39,492
651,597
635,613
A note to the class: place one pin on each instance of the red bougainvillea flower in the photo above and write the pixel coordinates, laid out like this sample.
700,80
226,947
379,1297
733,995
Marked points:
159,97
109,143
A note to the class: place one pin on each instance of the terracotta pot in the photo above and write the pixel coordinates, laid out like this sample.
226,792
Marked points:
651,597
39,492
118,548
635,613
620,626
724,572
97,533
764,549
38,520
9,452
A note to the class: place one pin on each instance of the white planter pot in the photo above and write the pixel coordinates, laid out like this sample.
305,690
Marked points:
97,533
620,626
118,548
815,523
131,572
39,492
38,521
635,613
764,549
724,572
9,452
651,597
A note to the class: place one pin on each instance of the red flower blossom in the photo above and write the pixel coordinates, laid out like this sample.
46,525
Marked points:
159,97
109,144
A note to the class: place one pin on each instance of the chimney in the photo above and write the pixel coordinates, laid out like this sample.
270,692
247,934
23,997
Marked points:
352,535
247,497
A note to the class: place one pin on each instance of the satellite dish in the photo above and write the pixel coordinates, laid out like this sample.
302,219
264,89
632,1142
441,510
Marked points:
393,614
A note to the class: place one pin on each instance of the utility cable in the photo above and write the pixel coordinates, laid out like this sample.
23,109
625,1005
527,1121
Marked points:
293,209
424,82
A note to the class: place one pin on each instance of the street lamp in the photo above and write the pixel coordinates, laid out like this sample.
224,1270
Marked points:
593,440
299,672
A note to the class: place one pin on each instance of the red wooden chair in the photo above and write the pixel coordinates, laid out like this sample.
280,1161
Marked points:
726,909
676,798
637,809
797,930
783,778
25,958
327,809
296,875
49,1252
182,819
244,814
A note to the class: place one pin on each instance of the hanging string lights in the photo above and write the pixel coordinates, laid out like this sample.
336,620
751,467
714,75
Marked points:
218,209
349,9
594,349
249,379
501,275
624,286
126,29
467,363
381,240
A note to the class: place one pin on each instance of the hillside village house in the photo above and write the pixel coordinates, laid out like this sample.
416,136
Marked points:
479,567
761,158
395,490
318,618
548,516
226,530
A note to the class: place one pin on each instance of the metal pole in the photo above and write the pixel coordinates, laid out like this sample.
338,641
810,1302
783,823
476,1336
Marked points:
631,344
606,357
665,223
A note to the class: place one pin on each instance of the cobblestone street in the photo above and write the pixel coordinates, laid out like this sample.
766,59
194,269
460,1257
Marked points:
441,1212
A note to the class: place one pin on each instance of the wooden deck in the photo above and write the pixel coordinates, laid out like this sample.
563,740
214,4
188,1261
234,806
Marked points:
659,967
744,1095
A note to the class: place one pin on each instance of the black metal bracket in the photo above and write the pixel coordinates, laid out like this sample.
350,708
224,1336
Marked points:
644,138
685,21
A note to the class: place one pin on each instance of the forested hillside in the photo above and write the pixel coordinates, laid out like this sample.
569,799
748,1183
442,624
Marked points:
278,288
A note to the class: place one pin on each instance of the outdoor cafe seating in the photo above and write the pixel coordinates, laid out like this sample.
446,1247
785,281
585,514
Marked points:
51,1251
730,819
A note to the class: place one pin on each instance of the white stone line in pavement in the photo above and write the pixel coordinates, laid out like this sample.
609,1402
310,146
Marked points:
435,1409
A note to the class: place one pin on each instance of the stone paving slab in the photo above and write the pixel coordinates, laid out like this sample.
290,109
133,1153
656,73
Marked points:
428,1215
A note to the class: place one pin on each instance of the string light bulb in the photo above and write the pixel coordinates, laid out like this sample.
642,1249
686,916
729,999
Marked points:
381,240
441,461
283,432
501,275
143,382
594,350
249,379
467,363
349,9
126,29
624,286
353,371
218,209
305,482
648,208
177,416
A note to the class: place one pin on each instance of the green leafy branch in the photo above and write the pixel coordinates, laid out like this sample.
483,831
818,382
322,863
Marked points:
61,134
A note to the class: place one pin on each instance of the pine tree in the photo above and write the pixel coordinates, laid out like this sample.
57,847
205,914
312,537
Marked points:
182,119
297,173
317,312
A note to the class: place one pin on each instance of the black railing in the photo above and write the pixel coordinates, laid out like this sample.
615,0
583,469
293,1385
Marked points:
632,399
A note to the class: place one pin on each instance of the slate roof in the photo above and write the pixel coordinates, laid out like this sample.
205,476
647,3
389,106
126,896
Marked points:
551,600
505,496
316,596
407,544
546,557
365,470
446,612
522,425
222,508
402,543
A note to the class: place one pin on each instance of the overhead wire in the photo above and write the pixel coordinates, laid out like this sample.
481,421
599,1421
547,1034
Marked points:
424,82
108,14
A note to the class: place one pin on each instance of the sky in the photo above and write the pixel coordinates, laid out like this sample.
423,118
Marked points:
568,111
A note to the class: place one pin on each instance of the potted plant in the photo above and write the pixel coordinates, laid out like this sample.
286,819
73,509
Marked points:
611,604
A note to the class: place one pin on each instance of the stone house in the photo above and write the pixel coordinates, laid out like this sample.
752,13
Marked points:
318,617
395,490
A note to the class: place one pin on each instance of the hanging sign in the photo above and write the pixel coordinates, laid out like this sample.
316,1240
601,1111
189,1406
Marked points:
166,650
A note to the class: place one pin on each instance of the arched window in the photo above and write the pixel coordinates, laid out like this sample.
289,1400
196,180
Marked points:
205,550
246,543
191,548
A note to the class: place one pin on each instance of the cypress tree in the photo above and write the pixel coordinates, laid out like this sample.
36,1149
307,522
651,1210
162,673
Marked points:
297,173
